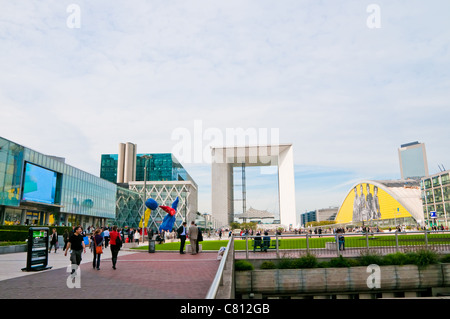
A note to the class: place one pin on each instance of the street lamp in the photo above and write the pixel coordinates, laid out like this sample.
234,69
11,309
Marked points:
146,157
395,216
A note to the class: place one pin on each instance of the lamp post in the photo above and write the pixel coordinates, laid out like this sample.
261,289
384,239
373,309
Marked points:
146,157
395,216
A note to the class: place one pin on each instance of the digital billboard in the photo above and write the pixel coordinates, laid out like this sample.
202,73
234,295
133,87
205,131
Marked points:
39,184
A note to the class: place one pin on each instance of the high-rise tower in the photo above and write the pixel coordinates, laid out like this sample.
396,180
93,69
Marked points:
413,160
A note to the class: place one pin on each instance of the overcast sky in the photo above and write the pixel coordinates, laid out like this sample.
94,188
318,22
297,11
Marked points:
346,82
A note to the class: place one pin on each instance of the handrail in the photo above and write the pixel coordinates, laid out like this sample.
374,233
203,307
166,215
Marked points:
425,233
212,292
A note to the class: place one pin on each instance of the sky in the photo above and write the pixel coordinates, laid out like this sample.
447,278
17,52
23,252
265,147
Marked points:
346,82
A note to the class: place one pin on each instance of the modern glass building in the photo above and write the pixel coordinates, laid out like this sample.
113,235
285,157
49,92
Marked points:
436,199
164,177
413,161
38,189
160,167
43,190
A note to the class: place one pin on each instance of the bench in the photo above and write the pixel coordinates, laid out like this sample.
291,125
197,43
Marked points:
264,245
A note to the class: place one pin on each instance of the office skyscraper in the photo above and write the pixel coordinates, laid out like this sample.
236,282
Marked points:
413,160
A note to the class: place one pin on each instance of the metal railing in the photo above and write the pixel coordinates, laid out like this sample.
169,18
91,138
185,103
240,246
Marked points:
219,278
329,245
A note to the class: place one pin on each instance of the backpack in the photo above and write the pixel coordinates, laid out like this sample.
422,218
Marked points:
118,242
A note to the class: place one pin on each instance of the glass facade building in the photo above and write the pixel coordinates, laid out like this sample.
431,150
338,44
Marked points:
160,167
42,189
165,180
436,199
413,161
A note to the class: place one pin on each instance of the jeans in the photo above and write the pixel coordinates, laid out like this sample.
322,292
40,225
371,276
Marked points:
96,261
75,259
114,252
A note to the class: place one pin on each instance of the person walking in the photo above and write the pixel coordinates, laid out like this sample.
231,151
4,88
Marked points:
115,242
54,241
182,235
130,235
106,237
193,233
66,238
97,242
199,238
137,236
341,240
77,246
266,241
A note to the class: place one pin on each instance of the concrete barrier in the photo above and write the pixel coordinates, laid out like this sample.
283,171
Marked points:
13,249
340,280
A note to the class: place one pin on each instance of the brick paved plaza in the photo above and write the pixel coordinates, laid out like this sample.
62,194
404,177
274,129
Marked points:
139,275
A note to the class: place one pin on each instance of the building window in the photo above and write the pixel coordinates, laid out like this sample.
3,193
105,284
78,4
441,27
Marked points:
446,193
430,198
438,195
440,210
436,181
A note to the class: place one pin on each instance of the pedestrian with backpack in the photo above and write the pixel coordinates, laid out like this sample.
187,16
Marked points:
115,241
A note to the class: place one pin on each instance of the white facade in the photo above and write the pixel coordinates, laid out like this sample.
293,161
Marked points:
225,158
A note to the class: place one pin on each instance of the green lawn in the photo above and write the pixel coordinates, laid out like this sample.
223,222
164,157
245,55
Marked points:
206,245
319,242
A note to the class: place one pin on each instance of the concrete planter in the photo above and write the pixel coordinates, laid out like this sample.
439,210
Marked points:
13,249
340,280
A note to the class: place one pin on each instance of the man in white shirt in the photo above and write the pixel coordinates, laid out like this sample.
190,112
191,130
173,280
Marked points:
106,237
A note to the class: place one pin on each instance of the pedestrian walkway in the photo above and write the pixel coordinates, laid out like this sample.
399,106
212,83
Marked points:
139,275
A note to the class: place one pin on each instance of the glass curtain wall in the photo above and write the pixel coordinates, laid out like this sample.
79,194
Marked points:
436,198
77,192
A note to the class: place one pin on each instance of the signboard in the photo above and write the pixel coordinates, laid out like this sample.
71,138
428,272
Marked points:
433,215
37,253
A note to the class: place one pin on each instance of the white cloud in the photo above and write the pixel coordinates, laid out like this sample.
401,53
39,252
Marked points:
345,95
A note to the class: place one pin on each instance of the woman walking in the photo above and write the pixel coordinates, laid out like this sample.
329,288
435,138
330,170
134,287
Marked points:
66,237
115,242
97,242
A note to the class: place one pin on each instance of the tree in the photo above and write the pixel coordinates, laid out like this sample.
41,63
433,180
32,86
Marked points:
235,225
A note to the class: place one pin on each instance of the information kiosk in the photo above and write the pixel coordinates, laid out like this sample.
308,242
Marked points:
37,253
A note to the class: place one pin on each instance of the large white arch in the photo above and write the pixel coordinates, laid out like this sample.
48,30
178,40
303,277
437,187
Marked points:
225,158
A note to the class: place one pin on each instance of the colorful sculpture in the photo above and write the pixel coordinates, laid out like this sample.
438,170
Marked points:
169,219
151,204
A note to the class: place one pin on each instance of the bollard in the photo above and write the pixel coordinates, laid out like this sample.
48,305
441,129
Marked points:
151,245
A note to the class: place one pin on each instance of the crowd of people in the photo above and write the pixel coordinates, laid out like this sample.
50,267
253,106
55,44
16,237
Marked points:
78,240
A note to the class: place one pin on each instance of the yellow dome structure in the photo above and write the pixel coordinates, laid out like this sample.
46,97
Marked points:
382,200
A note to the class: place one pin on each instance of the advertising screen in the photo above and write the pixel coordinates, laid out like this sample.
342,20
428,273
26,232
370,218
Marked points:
39,184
